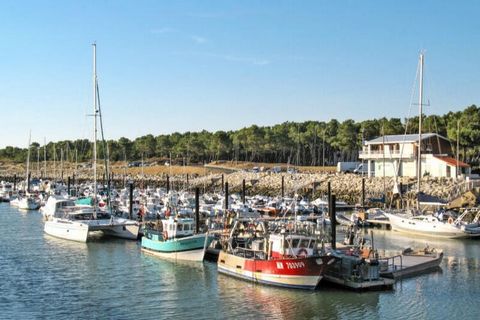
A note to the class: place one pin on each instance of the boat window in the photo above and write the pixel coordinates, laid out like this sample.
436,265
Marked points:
186,227
180,227
312,244
304,243
295,243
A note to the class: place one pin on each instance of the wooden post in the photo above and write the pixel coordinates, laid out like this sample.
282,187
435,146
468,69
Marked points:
283,186
197,210
168,183
329,192
363,192
14,182
28,182
130,208
223,186
333,219
226,196
68,185
243,191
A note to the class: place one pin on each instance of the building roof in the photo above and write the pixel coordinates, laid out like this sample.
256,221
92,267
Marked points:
403,138
453,162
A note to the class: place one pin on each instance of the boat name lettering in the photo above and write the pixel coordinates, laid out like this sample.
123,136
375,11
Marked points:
295,265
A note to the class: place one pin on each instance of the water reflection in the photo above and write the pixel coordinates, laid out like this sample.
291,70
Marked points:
108,278
280,303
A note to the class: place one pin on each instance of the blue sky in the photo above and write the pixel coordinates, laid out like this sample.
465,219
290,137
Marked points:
167,66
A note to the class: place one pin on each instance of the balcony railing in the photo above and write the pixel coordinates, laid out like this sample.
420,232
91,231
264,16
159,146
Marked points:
387,153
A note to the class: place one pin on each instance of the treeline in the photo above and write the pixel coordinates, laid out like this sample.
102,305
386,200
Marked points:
305,143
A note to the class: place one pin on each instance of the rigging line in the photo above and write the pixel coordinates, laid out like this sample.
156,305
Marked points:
436,130
105,147
408,119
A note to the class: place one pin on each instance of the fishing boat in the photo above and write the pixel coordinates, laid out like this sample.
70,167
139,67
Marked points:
175,238
284,259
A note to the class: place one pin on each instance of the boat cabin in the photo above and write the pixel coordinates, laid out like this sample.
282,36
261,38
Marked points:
179,227
287,245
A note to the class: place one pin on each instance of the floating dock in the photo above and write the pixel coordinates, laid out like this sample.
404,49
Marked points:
362,285
410,263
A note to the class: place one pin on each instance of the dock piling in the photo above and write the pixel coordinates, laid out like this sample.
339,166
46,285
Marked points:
168,183
333,220
197,210
130,207
226,196
243,191
363,192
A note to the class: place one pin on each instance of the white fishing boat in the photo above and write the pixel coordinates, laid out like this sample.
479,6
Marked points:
76,222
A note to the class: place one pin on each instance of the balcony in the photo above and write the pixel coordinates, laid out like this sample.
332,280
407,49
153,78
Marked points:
375,154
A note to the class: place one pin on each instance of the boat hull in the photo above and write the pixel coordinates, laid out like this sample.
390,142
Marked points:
67,230
300,273
78,231
190,248
429,229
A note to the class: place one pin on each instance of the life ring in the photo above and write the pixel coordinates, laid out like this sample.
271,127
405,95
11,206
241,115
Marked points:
450,220
165,235
302,252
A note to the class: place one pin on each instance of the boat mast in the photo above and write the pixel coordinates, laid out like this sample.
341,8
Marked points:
45,157
420,102
94,130
28,163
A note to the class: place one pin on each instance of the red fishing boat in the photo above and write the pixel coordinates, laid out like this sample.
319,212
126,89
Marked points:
286,259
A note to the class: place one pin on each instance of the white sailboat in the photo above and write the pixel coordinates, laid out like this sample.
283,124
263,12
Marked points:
429,225
68,221
26,201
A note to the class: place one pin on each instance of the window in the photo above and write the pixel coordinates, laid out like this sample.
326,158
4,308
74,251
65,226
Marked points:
295,243
304,243
180,227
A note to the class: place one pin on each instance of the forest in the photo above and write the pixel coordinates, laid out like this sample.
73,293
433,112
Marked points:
311,143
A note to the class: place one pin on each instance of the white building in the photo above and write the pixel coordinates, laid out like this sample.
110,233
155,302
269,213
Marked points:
398,155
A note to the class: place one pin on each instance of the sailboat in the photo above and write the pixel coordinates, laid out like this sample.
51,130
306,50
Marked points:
429,225
26,201
68,221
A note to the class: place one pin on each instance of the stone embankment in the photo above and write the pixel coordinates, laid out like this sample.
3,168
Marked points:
347,187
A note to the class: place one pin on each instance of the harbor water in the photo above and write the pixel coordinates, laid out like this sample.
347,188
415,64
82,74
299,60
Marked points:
45,277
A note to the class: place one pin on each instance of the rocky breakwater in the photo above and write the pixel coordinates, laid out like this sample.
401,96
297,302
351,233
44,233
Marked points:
347,187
